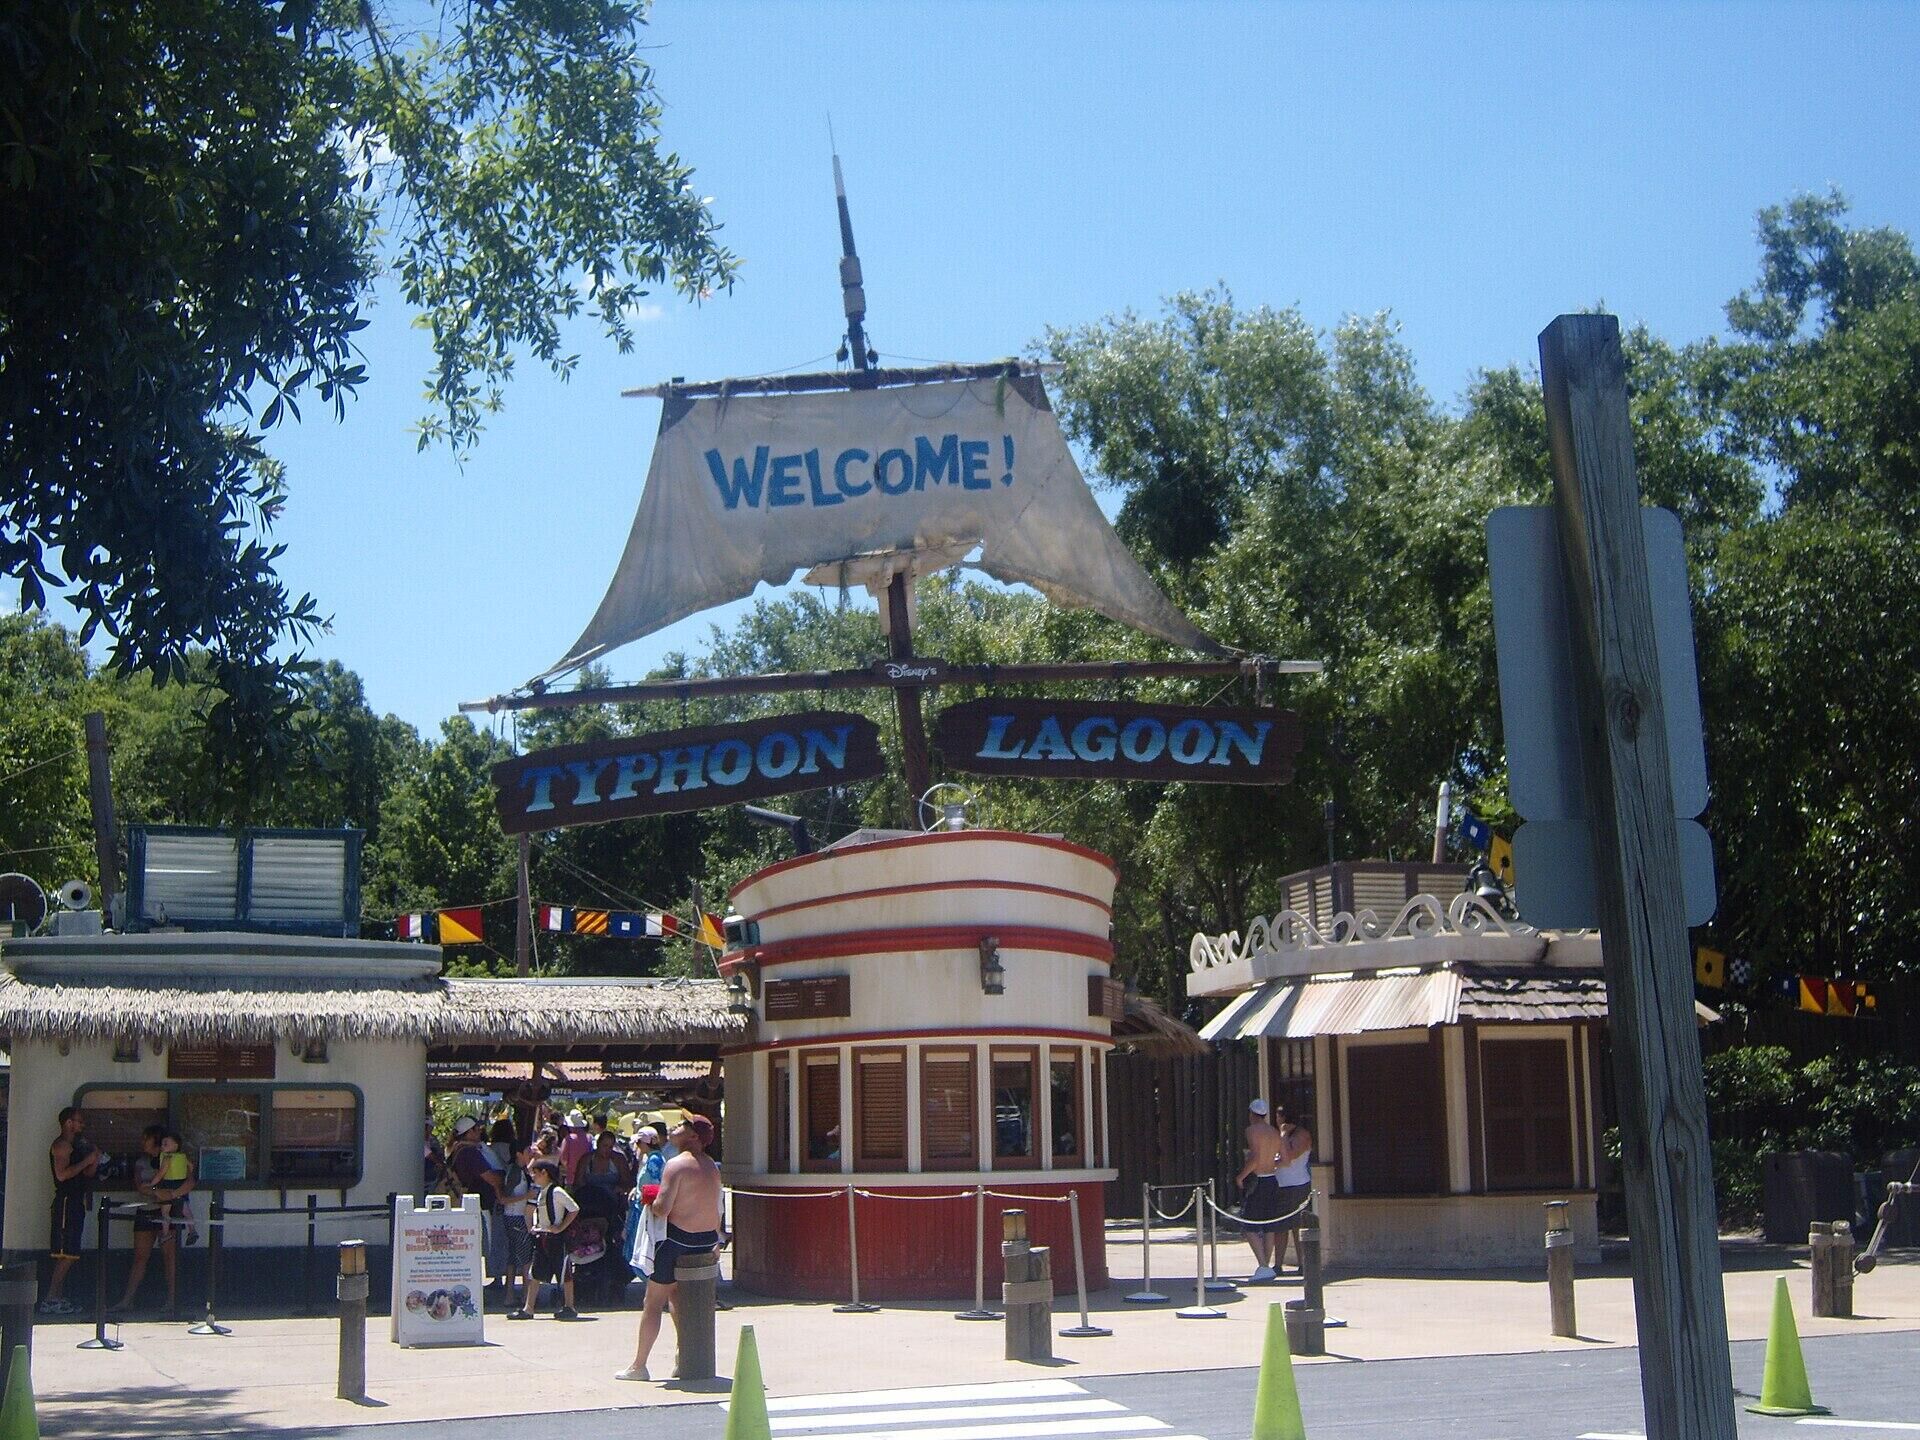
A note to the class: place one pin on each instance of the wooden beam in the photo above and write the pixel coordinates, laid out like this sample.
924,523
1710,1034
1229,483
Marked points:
842,379
914,759
795,682
1686,1380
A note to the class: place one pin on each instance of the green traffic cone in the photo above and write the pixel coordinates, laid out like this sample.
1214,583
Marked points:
747,1406
1276,1403
1783,1386
18,1419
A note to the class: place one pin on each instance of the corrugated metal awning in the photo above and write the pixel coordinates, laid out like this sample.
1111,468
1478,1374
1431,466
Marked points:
1296,1009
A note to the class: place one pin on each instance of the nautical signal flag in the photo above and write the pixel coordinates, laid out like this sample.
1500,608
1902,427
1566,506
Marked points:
1500,853
661,925
410,927
460,927
589,922
556,918
712,932
1740,972
1709,968
1475,831
626,925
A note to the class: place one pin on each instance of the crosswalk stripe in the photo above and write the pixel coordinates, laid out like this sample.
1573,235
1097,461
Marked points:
1117,1425
1613,1435
914,1415
928,1395
1862,1424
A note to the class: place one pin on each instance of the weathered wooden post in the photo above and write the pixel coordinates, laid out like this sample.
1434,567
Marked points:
1832,1261
19,1288
1560,1270
1026,1290
351,1286
698,1279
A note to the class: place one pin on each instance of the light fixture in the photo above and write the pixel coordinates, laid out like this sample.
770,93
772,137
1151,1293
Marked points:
1485,886
739,994
993,975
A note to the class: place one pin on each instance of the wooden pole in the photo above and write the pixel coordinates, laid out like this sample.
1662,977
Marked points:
1686,1379
100,799
1560,1308
351,1286
906,700
523,913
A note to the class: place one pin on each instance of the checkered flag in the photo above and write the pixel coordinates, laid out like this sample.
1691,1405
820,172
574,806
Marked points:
1739,973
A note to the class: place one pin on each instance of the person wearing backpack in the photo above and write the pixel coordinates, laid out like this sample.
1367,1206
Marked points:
516,1189
551,1213
472,1164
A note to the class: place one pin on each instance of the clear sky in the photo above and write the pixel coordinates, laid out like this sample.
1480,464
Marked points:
1474,169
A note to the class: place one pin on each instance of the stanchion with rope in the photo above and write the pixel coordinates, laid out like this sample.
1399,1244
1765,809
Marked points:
103,1218
1200,1310
216,1232
1215,1282
1085,1327
854,1305
980,1310
1311,1276
1146,1294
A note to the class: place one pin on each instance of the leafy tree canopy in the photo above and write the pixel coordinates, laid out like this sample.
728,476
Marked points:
198,197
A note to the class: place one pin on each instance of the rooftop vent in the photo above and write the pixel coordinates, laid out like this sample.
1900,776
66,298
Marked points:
297,882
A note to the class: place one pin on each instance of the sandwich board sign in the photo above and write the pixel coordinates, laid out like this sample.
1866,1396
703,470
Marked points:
437,1276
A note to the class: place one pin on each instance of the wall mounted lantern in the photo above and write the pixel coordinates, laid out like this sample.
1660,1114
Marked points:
993,975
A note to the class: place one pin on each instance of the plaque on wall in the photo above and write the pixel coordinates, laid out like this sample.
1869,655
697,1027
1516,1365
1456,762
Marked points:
1106,999
220,1062
821,997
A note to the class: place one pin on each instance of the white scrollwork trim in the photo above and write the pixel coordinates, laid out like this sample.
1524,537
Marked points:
1422,917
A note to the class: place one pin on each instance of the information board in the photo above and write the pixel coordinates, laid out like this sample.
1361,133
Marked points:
437,1278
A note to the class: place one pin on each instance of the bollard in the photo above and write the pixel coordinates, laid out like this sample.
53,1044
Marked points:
351,1287
1307,1316
1832,1247
100,1340
853,1305
1026,1290
307,1305
1560,1270
1146,1294
216,1243
979,1310
1086,1327
19,1288
1214,1281
696,1287
1200,1310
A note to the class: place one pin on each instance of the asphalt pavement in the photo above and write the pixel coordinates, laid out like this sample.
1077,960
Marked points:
1870,1382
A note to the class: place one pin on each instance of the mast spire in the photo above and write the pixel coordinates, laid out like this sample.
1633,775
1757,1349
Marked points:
853,294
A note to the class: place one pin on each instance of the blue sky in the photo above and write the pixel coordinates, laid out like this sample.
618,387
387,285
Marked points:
1474,169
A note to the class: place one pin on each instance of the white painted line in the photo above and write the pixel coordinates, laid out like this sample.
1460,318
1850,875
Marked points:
1861,1424
928,1395
1014,1410
1118,1425
1613,1435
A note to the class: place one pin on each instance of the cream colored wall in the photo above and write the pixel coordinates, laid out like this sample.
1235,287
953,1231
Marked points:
391,1078
1461,1232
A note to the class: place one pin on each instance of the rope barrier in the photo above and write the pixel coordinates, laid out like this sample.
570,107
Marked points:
1180,1214
882,1195
1302,1208
833,1194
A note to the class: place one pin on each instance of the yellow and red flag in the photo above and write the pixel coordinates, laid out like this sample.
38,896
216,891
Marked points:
713,932
460,927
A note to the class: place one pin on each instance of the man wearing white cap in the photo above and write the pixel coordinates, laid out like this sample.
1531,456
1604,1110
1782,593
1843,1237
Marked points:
1261,1201
575,1146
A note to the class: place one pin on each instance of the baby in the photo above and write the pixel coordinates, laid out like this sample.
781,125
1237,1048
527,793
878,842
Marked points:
174,1170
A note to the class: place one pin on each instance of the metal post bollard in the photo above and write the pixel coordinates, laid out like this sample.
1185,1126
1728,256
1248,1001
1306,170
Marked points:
102,1217
1214,1280
307,1305
351,1287
1200,1310
1560,1270
979,1310
216,1244
1146,1294
696,1287
1026,1290
1086,1327
1307,1317
19,1288
853,1305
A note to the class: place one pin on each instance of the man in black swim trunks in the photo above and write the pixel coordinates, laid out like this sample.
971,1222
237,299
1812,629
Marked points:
74,1161
689,1201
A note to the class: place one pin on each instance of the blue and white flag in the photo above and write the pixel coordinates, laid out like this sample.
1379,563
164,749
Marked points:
1475,831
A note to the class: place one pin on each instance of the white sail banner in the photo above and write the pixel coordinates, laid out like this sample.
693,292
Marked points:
752,488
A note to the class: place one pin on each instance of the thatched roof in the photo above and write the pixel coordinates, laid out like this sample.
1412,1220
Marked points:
1152,1031
203,1010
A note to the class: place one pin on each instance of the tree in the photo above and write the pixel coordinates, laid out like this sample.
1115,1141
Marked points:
198,197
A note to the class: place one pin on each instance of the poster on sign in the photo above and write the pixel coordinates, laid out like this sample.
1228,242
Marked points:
437,1278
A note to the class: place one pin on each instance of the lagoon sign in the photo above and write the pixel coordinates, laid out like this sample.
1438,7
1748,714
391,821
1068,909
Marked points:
1080,740
684,770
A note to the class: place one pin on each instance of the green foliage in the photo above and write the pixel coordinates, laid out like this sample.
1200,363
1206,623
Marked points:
196,194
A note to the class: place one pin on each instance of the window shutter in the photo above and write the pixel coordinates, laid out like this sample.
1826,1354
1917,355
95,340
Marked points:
1399,1128
880,1110
778,1114
821,1117
946,1112
1528,1117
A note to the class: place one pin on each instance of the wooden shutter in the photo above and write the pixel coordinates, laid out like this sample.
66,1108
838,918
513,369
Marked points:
779,1114
1528,1115
820,1112
880,1109
948,1137
1097,1122
1399,1127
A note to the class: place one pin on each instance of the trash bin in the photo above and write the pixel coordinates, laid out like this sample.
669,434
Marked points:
1904,1227
1801,1186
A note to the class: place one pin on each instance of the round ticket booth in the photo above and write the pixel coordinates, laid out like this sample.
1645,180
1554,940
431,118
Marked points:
932,1018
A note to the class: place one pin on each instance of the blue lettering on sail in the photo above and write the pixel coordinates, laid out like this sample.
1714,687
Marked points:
777,481
744,485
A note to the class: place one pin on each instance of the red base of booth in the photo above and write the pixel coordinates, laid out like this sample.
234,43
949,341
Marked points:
912,1247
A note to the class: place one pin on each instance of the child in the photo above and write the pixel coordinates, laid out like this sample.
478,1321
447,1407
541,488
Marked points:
550,1215
174,1170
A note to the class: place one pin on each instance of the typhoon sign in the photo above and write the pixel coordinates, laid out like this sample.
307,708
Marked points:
684,770
1084,740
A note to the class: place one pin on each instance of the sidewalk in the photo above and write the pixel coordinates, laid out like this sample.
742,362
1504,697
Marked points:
278,1374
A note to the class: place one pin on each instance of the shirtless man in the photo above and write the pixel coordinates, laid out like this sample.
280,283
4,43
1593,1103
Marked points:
689,1201
1262,1198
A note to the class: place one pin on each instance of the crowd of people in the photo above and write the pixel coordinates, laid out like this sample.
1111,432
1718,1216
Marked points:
576,1205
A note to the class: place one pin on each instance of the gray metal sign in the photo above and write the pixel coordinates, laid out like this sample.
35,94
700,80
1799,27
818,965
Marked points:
1553,852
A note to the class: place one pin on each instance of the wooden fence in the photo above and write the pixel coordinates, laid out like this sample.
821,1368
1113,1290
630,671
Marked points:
1177,1122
